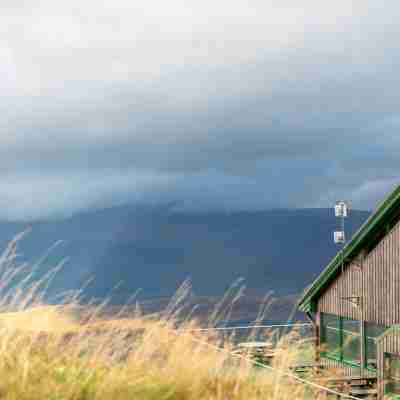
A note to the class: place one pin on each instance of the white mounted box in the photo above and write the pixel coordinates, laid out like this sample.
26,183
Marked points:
341,209
339,237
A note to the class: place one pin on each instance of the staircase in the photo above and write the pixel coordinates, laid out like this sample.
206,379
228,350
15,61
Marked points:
363,390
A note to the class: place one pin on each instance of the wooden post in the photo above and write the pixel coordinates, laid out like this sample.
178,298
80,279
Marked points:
362,345
317,330
362,316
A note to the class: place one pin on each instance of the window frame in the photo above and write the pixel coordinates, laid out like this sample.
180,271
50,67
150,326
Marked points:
361,340
323,336
372,337
345,335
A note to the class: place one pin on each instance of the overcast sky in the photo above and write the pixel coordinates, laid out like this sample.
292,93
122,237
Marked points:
247,104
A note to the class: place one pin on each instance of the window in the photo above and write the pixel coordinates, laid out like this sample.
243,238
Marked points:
341,338
330,334
392,373
372,332
351,340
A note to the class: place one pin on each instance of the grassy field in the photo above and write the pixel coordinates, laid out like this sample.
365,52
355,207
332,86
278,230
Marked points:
69,353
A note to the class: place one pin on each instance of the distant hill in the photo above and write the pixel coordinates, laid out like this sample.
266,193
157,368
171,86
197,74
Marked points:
279,250
155,249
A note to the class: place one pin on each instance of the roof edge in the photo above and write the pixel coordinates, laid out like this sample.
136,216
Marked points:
351,249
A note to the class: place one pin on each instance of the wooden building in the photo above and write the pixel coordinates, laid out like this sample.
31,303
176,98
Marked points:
355,302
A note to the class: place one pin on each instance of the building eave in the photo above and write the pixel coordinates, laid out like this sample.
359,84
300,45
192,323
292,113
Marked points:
374,224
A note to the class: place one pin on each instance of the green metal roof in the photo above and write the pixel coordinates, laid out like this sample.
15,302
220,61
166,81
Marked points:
374,224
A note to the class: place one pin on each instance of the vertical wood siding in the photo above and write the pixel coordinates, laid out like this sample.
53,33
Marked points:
377,282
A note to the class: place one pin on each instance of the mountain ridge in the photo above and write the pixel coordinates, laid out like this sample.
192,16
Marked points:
128,248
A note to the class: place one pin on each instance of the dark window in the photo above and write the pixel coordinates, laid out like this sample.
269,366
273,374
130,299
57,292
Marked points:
392,373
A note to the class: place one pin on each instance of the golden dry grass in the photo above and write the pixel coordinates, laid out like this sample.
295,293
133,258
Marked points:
48,352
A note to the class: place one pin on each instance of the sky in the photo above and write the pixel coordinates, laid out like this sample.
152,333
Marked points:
212,105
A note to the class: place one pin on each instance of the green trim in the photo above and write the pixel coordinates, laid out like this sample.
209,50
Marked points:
351,364
342,361
325,354
339,354
374,224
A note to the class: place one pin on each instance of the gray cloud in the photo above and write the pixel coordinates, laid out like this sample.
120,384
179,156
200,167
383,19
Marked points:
220,105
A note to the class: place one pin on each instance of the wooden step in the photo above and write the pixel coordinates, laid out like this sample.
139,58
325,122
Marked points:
364,393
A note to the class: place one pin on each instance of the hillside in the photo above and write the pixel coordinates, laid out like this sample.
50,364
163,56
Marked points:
155,250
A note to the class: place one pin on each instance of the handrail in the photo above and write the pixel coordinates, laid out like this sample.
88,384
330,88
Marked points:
231,328
282,372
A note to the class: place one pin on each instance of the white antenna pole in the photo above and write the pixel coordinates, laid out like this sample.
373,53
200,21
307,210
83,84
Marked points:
341,212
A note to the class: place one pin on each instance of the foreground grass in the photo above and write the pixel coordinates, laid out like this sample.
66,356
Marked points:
136,359
53,353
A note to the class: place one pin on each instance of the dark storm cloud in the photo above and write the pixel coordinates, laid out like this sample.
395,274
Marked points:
226,106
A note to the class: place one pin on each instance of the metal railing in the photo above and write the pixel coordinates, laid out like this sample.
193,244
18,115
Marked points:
285,373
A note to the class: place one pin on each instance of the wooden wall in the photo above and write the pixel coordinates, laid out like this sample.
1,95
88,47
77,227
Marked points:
347,284
375,278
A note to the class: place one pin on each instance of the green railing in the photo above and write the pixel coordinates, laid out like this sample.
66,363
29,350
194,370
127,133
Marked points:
343,343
